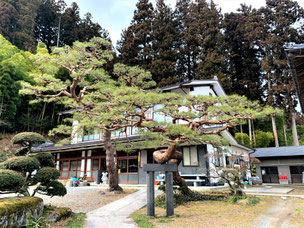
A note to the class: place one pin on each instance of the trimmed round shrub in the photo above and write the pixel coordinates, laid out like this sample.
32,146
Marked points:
56,188
21,164
46,174
10,180
45,159
26,138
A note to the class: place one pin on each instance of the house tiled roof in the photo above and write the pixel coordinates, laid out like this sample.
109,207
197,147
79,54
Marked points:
75,146
284,151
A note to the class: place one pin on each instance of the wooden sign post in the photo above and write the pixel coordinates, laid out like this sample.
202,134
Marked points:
168,169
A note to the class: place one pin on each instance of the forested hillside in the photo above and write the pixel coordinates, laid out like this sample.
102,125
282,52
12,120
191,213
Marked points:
193,40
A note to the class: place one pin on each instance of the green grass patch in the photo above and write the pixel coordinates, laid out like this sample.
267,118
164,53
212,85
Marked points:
77,220
180,199
253,200
166,220
142,220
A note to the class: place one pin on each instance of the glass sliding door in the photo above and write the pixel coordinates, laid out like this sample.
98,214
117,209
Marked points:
128,169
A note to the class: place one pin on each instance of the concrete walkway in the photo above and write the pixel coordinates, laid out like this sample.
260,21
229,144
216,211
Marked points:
116,213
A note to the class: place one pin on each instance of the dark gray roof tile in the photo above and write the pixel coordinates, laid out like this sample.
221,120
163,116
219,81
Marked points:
283,151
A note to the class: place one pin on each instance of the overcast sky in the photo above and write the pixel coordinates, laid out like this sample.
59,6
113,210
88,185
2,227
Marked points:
116,15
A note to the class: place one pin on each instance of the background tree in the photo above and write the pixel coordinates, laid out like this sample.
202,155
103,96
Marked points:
243,74
135,47
164,36
46,26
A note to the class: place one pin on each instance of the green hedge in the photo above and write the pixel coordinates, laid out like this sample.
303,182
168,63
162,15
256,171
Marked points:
10,180
21,164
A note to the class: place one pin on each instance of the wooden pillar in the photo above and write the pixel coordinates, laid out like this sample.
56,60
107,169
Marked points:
150,193
169,194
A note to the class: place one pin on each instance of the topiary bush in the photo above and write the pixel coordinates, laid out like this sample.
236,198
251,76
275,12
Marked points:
10,181
46,174
53,188
27,140
45,159
21,164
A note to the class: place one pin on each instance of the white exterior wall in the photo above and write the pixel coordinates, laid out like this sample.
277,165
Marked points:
89,163
211,161
74,134
57,163
202,90
82,163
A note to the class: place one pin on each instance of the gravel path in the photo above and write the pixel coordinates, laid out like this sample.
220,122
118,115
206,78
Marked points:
84,199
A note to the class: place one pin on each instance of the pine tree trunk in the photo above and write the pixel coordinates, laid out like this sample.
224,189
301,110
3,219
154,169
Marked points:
58,32
294,130
111,167
275,134
250,132
175,157
284,130
253,134
241,128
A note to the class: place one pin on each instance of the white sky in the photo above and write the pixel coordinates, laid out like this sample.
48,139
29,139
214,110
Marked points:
116,15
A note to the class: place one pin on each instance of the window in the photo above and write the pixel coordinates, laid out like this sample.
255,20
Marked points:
190,156
296,169
95,164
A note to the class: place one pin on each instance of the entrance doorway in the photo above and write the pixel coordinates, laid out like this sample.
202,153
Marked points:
296,174
270,174
128,169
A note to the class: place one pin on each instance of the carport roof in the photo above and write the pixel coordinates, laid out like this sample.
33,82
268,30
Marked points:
284,151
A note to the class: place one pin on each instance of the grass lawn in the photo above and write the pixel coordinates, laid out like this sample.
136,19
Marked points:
206,214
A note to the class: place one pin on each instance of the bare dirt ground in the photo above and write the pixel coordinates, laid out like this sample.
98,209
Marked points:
271,212
285,213
215,214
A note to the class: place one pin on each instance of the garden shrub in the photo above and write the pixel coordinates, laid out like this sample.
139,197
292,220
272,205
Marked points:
21,164
55,188
45,159
26,138
42,163
46,174
10,180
